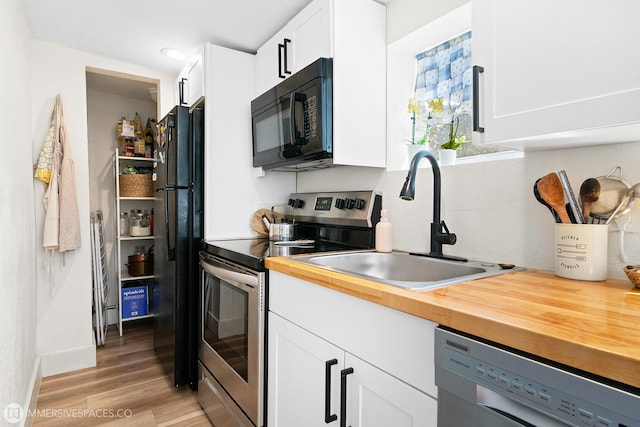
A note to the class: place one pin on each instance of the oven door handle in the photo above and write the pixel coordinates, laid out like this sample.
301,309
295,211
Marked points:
233,277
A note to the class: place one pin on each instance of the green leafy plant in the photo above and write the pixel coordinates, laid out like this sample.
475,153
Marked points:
435,107
455,141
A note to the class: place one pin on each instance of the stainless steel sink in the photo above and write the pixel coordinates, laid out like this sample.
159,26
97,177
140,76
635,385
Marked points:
417,273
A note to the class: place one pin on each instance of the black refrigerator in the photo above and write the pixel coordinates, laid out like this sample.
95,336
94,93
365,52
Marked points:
178,231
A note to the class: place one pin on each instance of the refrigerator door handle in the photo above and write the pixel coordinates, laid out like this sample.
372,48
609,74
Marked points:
167,153
171,250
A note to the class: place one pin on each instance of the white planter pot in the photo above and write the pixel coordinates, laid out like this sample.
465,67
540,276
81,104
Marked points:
447,157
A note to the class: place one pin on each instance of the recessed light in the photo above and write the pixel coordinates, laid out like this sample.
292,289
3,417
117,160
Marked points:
172,53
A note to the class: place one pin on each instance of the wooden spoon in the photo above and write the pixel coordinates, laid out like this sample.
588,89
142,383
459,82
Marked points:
538,198
589,193
551,191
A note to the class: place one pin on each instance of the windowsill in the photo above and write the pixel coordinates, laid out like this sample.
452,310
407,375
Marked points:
483,158
402,162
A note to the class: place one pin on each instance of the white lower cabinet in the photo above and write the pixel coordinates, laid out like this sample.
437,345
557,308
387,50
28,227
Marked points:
296,375
320,341
377,399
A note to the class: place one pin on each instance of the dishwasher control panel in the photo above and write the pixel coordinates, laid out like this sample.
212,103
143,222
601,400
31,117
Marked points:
558,394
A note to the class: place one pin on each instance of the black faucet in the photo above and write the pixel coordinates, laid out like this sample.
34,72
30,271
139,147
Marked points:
440,234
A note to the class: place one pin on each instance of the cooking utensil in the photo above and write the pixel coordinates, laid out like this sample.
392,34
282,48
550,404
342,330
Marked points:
140,265
589,193
618,211
575,214
634,193
283,231
257,223
551,191
541,200
613,190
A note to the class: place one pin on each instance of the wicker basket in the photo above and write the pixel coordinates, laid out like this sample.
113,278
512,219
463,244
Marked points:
633,273
136,185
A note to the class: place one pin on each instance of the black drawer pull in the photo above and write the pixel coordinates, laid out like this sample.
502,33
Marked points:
328,417
343,395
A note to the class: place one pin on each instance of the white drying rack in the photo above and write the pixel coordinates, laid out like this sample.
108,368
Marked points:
100,277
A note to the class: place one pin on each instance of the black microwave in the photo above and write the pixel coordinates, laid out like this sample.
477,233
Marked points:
292,122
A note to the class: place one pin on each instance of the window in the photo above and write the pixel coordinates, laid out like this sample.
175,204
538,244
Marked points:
442,106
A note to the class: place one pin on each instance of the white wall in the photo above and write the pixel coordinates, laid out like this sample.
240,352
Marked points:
489,205
65,335
406,16
233,191
18,358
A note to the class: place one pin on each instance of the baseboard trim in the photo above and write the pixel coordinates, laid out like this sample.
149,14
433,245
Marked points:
31,399
68,360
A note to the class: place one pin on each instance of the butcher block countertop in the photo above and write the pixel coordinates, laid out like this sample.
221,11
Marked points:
592,326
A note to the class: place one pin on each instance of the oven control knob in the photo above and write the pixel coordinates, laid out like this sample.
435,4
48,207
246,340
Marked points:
359,204
350,203
296,203
340,203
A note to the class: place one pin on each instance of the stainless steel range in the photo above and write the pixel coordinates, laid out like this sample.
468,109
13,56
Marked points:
234,298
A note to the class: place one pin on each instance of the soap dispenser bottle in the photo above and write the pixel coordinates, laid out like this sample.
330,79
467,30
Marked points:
384,233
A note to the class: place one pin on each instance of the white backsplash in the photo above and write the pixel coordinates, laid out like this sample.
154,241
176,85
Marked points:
490,205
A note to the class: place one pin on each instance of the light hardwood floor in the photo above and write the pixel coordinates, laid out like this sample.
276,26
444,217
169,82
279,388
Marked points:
127,388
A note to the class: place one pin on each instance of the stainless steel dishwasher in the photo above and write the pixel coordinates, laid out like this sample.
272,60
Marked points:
481,384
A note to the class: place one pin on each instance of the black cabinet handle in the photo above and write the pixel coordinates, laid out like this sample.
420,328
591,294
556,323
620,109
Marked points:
476,98
343,395
181,93
328,417
280,49
286,56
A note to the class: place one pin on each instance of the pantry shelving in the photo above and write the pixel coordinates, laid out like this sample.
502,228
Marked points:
135,292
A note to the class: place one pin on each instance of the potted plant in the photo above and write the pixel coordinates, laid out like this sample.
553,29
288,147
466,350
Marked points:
415,110
448,150
436,130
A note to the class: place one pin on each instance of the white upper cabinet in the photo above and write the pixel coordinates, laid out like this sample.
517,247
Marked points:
304,39
557,73
353,33
195,81
189,86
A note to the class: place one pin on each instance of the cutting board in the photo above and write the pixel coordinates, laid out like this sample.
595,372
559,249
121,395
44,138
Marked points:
257,224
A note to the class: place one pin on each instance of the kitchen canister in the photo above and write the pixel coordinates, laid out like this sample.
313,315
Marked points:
581,251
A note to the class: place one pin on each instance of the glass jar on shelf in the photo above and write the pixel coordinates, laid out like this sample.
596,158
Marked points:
124,224
139,225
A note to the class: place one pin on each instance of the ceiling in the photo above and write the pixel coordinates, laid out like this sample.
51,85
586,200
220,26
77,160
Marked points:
134,31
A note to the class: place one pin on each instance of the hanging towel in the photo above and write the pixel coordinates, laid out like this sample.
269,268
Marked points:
44,165
69,219
62,223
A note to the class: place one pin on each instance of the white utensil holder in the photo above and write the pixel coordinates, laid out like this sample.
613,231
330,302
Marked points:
581,251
